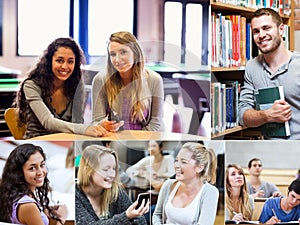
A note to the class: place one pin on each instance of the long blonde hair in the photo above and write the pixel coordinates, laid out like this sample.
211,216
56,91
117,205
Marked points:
244,200
89,162
205,157
139,91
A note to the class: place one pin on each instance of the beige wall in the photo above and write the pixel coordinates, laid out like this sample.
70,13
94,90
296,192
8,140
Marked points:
297,37
274,154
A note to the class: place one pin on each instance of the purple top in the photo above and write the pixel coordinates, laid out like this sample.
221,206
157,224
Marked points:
128,124
26,199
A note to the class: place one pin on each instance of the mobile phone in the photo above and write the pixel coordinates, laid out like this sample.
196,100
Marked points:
142,196
113,117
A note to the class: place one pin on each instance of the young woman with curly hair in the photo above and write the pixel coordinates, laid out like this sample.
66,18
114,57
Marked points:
127,89
239,204
51,98
24,189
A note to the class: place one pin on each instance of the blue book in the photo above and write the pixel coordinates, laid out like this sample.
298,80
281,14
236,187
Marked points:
229,107
248,41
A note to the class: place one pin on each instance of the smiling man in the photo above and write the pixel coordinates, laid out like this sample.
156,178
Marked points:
275,66
284,209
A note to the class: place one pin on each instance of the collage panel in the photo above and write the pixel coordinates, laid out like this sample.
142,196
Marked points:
37,182
151,92
168,178
251,96
262,183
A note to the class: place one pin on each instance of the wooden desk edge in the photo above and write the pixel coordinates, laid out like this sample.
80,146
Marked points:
125,135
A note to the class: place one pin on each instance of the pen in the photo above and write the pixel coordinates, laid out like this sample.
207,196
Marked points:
235,213
274,213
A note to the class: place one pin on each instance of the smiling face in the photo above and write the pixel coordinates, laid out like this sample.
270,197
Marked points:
185,166
35,171
266,34
235,177
105,174
122,58
63,63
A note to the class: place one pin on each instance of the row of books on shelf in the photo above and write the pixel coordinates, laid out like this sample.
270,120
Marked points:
283,7
224,105
232,40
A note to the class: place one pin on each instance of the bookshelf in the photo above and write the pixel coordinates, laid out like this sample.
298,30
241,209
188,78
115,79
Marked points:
222,73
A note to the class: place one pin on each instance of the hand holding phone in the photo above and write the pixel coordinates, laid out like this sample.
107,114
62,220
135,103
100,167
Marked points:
142,196
112,116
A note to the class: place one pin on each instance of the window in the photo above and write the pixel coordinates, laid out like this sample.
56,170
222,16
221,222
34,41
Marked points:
183,33
51,19
193,34
38,27
172,39
105,19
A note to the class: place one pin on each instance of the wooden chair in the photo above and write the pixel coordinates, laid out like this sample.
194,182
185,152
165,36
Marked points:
11,118
258,206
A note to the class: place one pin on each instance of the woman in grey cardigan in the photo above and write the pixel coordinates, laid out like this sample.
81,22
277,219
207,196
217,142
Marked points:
51,98
100,198
189,199
127,89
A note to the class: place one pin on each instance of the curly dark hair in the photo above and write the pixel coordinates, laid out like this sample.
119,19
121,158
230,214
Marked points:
13,185
43,76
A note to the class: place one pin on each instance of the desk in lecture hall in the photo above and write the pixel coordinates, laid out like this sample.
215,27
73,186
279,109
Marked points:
68,222
125,135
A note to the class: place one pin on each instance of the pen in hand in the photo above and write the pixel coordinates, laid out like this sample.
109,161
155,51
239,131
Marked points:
274,213
240,216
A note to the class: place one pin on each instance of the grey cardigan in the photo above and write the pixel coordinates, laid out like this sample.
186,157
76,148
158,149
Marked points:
205,212
44,120
156,91
85,214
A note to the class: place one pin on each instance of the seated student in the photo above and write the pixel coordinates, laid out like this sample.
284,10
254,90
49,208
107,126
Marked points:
24,189
128,89
125,179
283,209
239,204
156,168
100,198
51,99
190,198
256,187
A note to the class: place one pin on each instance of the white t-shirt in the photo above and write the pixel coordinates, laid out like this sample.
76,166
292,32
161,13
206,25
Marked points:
181,216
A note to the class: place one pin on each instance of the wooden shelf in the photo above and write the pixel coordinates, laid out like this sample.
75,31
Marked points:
241,10
227,131
226,8
227,69
223,74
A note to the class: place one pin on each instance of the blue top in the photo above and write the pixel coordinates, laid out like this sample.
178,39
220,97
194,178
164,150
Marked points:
26,199
274,203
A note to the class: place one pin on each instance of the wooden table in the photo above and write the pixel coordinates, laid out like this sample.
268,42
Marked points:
125,135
